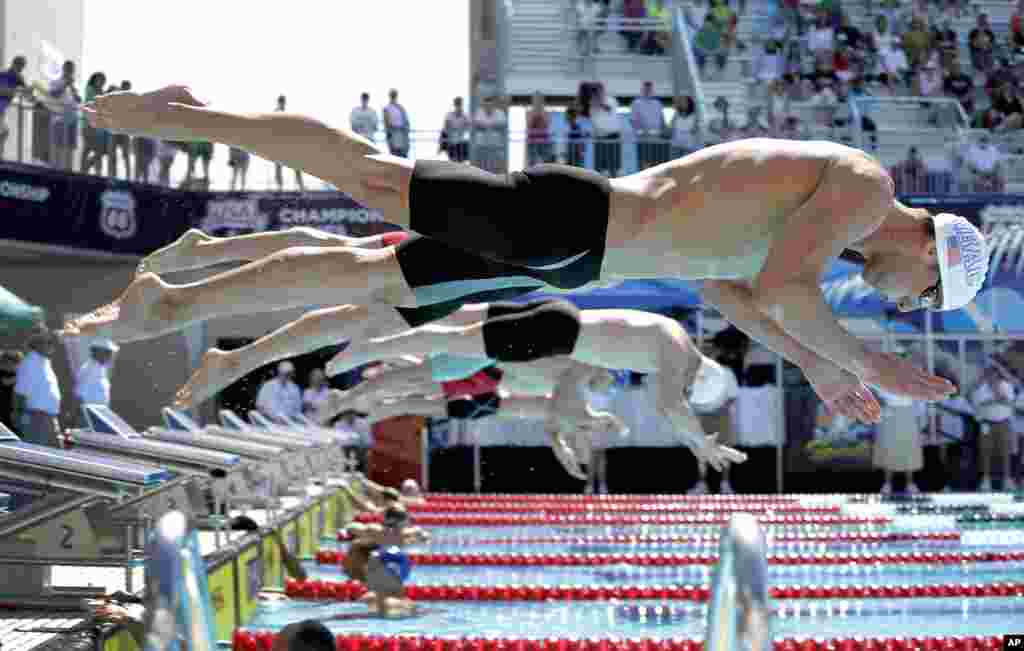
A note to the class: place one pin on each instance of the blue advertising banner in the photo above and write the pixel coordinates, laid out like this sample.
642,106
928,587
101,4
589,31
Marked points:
94,213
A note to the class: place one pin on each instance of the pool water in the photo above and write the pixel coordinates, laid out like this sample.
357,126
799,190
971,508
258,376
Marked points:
658,619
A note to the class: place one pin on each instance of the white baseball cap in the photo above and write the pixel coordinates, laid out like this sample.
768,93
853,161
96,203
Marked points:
963,260
285,367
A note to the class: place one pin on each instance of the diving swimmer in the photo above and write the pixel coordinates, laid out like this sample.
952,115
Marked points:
758,221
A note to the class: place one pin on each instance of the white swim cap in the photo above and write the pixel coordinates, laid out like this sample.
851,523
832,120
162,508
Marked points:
963,260
714,386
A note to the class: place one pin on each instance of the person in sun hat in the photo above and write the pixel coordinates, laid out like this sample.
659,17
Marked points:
92,382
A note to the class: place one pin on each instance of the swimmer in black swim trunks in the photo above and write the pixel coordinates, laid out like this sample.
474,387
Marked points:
757,221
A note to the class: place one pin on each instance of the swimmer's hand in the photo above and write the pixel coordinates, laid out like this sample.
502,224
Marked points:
567,457
716,455
150,114
893,374
843,393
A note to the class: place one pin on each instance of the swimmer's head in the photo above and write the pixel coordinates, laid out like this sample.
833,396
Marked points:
410,488
396,517
938,263
308,635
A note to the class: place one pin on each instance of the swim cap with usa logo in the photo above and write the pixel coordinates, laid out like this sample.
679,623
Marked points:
963,260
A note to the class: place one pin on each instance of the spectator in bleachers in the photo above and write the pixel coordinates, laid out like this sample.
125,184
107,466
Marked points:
37,393
589,14
756,126
648,118
95,142
282,105
121,142
539,148
396,126
363,118
910,176
1007,104
64,121
576,136
981,42
709,42
983,163
722,129
768,68
848,35
238,161
489,132
455,134
961,87
633,10
843,65
607,132
821,39
1017,28
917,43
685,127
947,42
11,83
657,41
928,84
777,104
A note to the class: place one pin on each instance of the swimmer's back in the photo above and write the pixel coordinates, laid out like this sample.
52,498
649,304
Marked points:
729,202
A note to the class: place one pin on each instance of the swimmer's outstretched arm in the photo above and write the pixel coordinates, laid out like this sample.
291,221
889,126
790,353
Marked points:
852,199
841,391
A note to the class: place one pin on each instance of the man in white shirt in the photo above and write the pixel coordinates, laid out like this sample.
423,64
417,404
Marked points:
364,118
92,383
279,398
983,161
993,401
648,119
315,395
37,394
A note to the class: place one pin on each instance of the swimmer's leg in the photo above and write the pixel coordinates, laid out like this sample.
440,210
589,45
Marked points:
392,383
196,250
314,330
291,278
498,216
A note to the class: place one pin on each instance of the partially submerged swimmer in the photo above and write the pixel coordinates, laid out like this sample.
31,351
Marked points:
374,558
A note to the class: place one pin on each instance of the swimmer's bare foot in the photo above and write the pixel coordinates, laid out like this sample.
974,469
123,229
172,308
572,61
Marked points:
144,311
217,370
180,255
